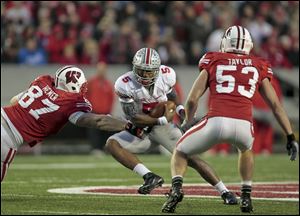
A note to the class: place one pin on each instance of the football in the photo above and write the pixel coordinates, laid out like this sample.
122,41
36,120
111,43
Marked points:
159,109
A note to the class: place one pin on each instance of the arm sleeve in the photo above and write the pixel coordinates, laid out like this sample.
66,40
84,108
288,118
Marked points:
205,61
169,77
269,72
78,107
265,70
75,116
121,89
129,109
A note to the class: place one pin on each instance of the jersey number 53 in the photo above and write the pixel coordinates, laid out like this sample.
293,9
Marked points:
220,88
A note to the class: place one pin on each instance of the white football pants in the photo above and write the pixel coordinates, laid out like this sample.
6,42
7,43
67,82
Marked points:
165,135
214,130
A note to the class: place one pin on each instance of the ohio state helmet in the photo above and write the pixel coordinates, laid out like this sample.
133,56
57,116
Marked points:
147,60
236,39
70,79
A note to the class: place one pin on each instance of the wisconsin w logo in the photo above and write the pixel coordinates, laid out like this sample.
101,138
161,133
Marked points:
72,76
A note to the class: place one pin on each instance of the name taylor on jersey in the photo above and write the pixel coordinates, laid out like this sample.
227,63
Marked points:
246,62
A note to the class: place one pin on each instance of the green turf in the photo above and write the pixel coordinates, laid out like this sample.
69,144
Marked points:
24,190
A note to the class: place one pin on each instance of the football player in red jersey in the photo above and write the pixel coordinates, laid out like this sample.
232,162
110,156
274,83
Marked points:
44,108
233,76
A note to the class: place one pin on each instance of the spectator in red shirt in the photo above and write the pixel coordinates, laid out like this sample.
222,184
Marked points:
101,95
56,44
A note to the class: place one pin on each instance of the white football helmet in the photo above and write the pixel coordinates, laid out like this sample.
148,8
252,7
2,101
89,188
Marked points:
236,39
70,79
146,60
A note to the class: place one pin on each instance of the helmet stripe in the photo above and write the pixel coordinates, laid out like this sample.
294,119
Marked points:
243,43
62,70
148,56
238,37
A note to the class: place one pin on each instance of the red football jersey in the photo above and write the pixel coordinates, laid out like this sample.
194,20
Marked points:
43,110
233,80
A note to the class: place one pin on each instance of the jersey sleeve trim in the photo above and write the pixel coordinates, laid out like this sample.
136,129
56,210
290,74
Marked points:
75,116
85,104
205,61
270,71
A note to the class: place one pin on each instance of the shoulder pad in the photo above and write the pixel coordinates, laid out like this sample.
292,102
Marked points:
168,75
122,86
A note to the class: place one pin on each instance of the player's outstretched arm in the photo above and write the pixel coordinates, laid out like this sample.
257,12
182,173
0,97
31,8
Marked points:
198,89
268,93
101,122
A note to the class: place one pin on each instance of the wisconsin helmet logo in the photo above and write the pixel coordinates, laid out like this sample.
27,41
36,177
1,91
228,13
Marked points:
72,76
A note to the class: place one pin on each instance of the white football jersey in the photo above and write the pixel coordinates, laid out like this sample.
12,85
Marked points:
129,90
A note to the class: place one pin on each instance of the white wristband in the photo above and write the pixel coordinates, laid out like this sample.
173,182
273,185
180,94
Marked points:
162,120
178,108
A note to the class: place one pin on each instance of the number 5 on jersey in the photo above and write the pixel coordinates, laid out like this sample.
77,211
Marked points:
231,80
33,93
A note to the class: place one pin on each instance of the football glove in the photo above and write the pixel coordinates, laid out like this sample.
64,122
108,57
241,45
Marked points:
137,131
292,147
180,111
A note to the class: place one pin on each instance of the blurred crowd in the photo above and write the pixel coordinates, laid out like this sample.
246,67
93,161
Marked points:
86,32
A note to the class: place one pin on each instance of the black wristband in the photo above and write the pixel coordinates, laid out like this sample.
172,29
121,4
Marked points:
291,137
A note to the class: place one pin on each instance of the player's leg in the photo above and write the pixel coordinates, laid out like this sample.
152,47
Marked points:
246,165
7,152
122,155
209,175
167,136
244,141
179,162
122,147
198,139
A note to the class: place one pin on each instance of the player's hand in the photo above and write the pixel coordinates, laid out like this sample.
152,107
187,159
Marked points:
292,147
169,113
181,115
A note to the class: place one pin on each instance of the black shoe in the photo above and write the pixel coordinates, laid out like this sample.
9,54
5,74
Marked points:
174,197
246,203
151,181
229,198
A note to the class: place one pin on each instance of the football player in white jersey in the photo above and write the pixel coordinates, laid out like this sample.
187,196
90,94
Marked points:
139,91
